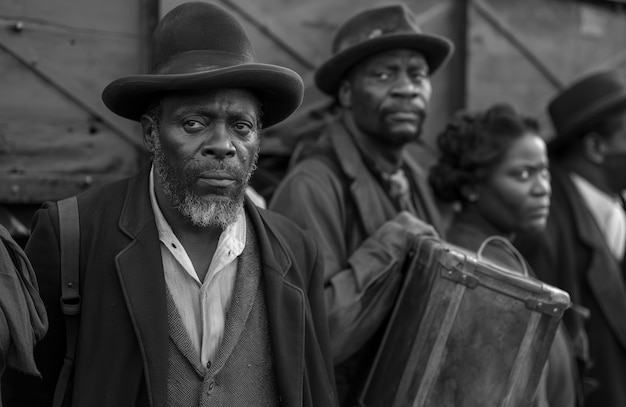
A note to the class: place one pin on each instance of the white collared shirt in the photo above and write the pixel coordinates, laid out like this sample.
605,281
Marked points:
202,305
607,212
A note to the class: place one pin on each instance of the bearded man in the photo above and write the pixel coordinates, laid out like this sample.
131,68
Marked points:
191,295
359,191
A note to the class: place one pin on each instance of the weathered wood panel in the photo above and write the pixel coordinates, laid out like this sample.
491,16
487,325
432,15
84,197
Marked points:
57,55
111,16
56,136
524,51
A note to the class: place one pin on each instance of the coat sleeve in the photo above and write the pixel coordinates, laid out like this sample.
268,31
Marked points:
42,250
360,287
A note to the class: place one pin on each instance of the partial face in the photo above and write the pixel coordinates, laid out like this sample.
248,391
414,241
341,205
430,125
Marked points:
388,95
516,195
205,149
614,159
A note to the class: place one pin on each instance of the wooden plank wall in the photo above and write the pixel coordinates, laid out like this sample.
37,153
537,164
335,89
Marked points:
56,136
524,51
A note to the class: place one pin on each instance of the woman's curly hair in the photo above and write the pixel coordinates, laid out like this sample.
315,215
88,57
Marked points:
471,145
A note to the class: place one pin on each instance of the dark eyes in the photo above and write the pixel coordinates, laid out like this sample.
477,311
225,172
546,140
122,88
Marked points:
525,174
193,126
385,75
522,175
241,127
418,75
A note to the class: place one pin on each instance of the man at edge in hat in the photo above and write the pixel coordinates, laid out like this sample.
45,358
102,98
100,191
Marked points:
191,295
358,191
582,248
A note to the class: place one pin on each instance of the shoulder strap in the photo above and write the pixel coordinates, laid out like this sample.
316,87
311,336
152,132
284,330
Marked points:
69,237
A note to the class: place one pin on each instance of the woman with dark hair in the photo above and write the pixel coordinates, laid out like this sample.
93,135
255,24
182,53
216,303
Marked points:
494,168
493,165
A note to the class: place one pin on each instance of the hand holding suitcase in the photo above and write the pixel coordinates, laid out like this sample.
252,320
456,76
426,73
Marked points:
465,331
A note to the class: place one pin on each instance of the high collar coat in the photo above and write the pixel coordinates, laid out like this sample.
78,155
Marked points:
121,357
572,255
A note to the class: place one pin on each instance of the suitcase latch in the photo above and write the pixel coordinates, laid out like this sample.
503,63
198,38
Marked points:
457,275
554,309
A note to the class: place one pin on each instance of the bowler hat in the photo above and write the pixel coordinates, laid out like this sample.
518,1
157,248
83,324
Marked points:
583,104
197,47
376,30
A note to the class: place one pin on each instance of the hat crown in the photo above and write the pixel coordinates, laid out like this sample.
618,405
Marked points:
374,23
374,31
199,47
586,101
196,37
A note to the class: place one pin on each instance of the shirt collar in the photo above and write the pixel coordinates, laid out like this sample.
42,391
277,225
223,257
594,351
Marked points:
599,203
231,242
602,206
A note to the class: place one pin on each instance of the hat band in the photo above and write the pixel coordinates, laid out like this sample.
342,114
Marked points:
199,61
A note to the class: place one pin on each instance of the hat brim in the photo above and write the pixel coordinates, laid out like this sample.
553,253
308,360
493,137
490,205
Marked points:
583,122
279,89
436,50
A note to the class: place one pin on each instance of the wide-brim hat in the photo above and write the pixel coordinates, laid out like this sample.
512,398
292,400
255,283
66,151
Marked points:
376,30
589,100
198,47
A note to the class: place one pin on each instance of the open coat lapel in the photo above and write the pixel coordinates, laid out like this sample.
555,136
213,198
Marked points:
604,274
372,212
285,310
140,272
424,194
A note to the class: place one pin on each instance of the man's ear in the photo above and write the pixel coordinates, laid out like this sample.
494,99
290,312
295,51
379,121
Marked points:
593,147
148,127
344,94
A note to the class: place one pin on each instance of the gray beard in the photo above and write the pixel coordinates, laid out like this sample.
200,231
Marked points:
199,211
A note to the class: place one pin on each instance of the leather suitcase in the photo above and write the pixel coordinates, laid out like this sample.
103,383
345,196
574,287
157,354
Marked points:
464,332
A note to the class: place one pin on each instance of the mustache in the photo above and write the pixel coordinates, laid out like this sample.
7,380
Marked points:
406,108
237,171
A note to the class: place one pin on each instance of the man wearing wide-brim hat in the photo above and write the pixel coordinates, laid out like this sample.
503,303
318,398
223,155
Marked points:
191,295
359,191
582,249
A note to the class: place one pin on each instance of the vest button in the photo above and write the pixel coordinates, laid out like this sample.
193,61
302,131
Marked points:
208,364
211,387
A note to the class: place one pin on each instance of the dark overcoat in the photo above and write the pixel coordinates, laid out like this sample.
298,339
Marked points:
122,351
333,194
572,255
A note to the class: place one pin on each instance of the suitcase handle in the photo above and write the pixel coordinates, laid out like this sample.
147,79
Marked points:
506,244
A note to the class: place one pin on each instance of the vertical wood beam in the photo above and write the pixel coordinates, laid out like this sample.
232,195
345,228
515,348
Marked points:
497,22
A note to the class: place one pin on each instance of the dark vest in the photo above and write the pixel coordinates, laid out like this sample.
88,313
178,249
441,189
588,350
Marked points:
242,373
